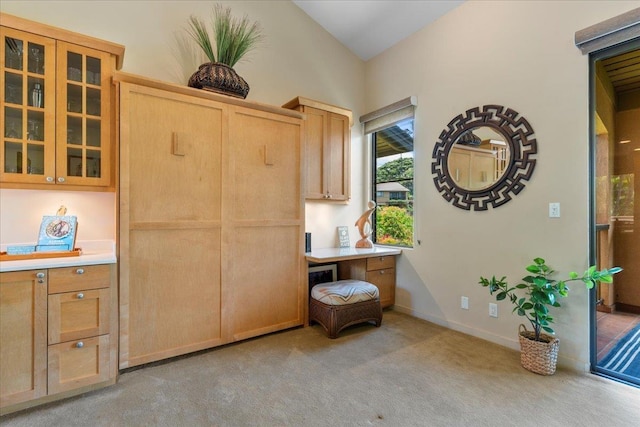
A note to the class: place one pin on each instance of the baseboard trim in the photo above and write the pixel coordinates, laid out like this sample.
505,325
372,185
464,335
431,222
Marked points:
627,308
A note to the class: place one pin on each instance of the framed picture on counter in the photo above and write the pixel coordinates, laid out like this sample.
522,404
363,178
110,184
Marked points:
57,233
343,236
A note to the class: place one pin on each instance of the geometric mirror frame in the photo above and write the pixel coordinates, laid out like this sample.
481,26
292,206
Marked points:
519,140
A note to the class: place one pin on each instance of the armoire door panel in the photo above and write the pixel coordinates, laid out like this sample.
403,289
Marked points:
177,160
266,277
264,166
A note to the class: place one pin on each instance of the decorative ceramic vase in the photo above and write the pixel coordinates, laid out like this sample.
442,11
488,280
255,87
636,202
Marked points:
219,78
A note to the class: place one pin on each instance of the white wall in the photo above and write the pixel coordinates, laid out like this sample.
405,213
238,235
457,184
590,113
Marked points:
519,54
22,212
298,58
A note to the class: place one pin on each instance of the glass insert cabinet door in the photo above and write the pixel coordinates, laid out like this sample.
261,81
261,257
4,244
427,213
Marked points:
83,115
56,110
27,104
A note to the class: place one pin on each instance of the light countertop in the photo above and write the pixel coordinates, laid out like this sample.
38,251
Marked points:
93,252
343,254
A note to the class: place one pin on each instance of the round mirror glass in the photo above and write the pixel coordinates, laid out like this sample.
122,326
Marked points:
478,158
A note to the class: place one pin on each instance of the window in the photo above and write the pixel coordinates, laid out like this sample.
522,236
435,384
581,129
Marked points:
392,149
391,130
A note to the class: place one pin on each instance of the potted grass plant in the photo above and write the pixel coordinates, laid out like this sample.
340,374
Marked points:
539,350
229,41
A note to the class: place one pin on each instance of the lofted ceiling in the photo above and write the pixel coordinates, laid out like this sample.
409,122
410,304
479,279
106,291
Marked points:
624,71
368,27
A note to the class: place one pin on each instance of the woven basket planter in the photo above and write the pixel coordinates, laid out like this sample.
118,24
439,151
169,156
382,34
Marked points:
539,357
219,78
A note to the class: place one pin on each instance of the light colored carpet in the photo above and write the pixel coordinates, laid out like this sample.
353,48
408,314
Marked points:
406,373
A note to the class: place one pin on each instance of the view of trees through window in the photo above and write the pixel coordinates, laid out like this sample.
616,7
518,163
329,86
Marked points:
393,180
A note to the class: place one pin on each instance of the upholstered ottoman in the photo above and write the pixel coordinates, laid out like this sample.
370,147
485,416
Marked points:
336,305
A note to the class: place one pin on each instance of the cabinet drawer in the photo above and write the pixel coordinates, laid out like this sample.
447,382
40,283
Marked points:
385,280
78,363
75,315
379,262
70,279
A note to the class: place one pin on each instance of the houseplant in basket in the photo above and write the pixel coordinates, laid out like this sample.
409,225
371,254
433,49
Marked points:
539,350
232,39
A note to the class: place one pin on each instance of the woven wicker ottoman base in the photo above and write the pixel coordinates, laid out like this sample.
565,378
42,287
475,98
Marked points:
341,313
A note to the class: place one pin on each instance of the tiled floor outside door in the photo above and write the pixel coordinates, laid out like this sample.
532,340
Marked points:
611,328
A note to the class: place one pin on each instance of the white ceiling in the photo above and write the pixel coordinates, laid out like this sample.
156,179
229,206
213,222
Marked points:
368,27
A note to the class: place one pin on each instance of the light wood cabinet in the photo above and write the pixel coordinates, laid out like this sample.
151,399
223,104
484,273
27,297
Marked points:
56,103
23,336
211,220
472,168
58,334
327,149
381,271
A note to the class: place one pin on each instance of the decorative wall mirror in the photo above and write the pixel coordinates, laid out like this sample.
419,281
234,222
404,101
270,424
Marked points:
483,157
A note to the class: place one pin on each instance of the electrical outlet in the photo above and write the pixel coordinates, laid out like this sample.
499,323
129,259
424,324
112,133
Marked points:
554,210
493,309
464,303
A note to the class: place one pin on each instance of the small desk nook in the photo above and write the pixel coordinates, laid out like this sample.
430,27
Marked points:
375,265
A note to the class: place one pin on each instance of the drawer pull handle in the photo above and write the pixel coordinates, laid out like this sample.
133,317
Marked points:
79,344
381,271
80,271
381,258
40,275
80,295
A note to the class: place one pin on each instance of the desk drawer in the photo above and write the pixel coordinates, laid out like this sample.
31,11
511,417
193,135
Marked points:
76,315
380,262
75,364
71,279
385,280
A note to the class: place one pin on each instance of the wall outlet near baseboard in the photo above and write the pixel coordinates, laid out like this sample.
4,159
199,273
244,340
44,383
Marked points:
493,309
464,303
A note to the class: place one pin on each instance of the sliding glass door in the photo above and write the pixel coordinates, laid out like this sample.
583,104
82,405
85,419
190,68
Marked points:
615,209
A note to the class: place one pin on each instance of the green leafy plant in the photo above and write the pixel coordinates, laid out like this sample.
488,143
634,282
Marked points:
232,38
542,292
394,226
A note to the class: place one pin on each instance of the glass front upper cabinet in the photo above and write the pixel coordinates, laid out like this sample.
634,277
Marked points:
27,102
55,102
83,115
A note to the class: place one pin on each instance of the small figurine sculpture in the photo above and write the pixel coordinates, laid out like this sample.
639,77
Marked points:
364,227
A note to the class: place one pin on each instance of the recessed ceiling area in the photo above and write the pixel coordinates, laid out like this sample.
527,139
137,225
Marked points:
624,71
367,27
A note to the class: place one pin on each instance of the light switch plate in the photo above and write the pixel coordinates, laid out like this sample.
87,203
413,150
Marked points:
554,210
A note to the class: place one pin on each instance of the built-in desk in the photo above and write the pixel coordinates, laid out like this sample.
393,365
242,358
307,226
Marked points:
376,265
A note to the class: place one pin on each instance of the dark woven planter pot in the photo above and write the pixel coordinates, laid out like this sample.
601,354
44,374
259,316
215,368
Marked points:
219,78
